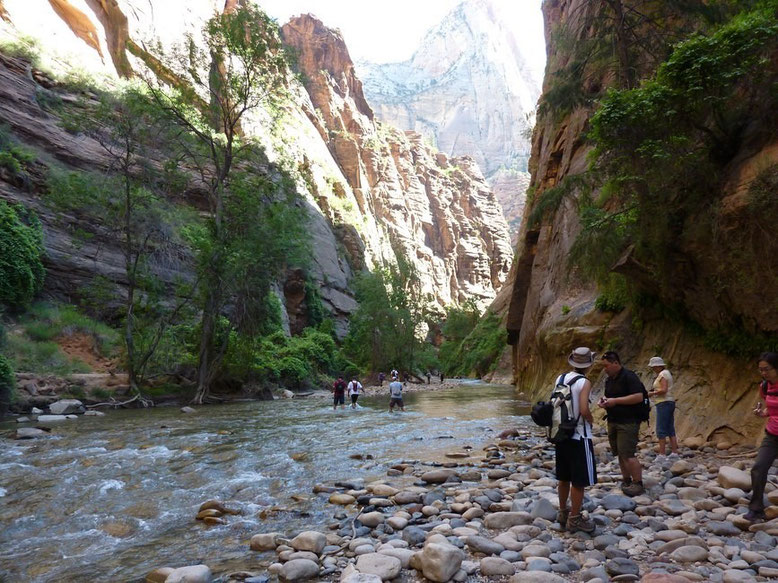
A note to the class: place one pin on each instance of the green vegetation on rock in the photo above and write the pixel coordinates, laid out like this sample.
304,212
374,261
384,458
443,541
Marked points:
21,250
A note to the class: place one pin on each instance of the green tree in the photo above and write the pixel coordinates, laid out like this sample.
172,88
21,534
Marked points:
386,331
237,66
460,322
625,38
21,250
122,203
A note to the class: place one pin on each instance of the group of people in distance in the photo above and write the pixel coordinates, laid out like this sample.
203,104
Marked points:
623,396
354,388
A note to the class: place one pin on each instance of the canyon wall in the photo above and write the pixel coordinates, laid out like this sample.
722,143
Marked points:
372,192
470,89
550,308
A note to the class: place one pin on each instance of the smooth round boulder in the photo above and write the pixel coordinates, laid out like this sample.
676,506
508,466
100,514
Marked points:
310,540
729,477
385,566
299,570
440,561
191,574
689,554
496,567
372,519
265,541
437,476
342,499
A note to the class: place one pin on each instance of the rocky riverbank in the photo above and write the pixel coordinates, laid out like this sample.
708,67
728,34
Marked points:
491,515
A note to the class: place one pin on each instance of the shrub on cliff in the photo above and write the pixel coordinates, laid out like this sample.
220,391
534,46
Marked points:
21,248
7,385
479,351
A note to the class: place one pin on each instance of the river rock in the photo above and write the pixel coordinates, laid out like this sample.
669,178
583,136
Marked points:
544,509
536,577
287,394
437,476
484,545
385,566
188,410
191,574
397,522
267,541
407,497
93,413
505,520
495,566
372,519
351,575
383,490
342,499
159,575
51,418
689,554
29,433
663,578
310,540
729,477
299,570
440,561
403,555
66,407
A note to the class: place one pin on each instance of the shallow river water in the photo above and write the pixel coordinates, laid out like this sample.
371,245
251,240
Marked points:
111,498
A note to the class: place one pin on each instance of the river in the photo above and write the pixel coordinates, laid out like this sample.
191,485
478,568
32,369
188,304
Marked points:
111,498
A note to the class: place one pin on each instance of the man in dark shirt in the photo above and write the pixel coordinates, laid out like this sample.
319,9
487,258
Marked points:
622,400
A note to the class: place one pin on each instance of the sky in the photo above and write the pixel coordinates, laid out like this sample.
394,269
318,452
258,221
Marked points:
389,31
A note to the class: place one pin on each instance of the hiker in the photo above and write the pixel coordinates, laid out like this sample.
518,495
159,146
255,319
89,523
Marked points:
661,394
623,400
394,374
575,464
429,377
396,395
768,450
381,377
354,387
338,393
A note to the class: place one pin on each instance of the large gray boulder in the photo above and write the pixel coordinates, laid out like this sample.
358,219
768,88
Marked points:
66,407
440,561
385,566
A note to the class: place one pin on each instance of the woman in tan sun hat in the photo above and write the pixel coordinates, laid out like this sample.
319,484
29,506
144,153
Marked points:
661,394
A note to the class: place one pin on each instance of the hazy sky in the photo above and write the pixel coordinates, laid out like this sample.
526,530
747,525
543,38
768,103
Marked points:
389,31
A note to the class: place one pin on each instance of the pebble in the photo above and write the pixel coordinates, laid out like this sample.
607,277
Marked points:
447,524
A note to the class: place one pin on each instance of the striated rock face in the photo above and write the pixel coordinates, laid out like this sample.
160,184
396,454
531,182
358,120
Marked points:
371,191
439,211
549,310
469,88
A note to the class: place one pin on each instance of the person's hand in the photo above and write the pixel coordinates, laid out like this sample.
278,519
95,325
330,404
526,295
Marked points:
758,411
603,403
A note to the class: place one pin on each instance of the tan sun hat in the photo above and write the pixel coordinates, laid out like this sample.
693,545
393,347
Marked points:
581,357
656,361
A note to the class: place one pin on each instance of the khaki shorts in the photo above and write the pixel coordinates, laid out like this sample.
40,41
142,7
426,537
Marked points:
623,438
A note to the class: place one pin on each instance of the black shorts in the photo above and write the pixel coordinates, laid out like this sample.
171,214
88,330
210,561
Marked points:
396,401
354,398
339,399
575,462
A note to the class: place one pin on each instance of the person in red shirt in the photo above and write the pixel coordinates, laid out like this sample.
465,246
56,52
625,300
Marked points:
768,450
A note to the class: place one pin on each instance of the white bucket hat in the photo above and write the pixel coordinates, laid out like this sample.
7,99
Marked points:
656,361
581,357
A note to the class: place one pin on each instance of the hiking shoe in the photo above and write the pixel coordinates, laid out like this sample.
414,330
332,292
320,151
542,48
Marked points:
561,518
625,483
634,489
578,522
754,516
